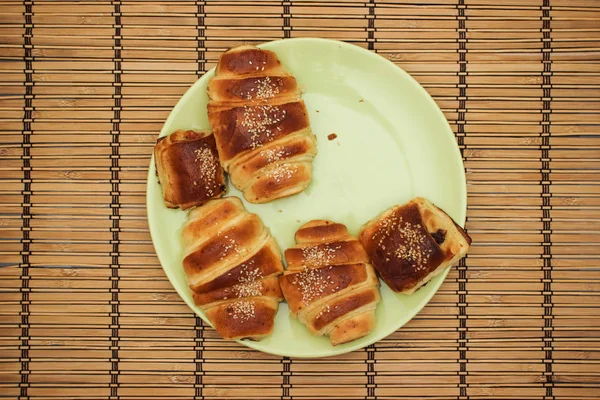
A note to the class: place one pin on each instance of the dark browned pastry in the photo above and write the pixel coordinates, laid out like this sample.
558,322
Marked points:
261,125
232,263
410,244
329,284
188,168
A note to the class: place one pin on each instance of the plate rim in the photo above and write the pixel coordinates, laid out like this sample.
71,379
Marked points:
462,191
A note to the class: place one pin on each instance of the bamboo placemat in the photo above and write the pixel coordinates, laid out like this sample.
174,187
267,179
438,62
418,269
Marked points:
85,309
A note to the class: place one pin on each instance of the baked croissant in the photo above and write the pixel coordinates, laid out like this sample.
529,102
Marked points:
261,125
232,263
412,243
187,165
329,284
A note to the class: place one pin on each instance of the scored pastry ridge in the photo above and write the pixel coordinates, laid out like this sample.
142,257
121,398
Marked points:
232,264
261,125
329,284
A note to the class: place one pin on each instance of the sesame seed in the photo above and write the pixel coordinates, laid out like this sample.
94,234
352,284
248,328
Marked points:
242,310
319,256
231,244
259,122
282,172
324,310
266,89
248,289
207,164
311,284
249,284
272,155
410,238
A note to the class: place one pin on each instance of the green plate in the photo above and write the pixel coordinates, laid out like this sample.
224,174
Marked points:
393,143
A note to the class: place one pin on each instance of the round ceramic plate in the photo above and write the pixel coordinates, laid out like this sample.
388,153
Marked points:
391,143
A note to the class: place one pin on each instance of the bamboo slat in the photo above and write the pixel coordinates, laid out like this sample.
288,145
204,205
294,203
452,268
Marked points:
85,309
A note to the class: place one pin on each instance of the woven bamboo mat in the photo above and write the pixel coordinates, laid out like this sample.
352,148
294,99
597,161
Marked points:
85,309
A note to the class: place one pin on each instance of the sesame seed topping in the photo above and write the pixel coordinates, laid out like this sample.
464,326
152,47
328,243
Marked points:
273,154
249,289
319,256
249,281
259,122
265,89
231,244
242,310
324,310
207,163
410,241
311,284
282,172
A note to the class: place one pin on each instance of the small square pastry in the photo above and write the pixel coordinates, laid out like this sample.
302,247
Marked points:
412,243
188,168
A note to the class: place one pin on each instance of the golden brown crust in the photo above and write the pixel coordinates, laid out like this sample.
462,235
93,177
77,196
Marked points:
402,250
322,254
410,244
322,231
245,128
266,262
339,307
251,318
260,124
329,285
254,89
232,265
353,327
279,181
248,60
206,221
292,148
187,165
232,242
312,284
248,287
